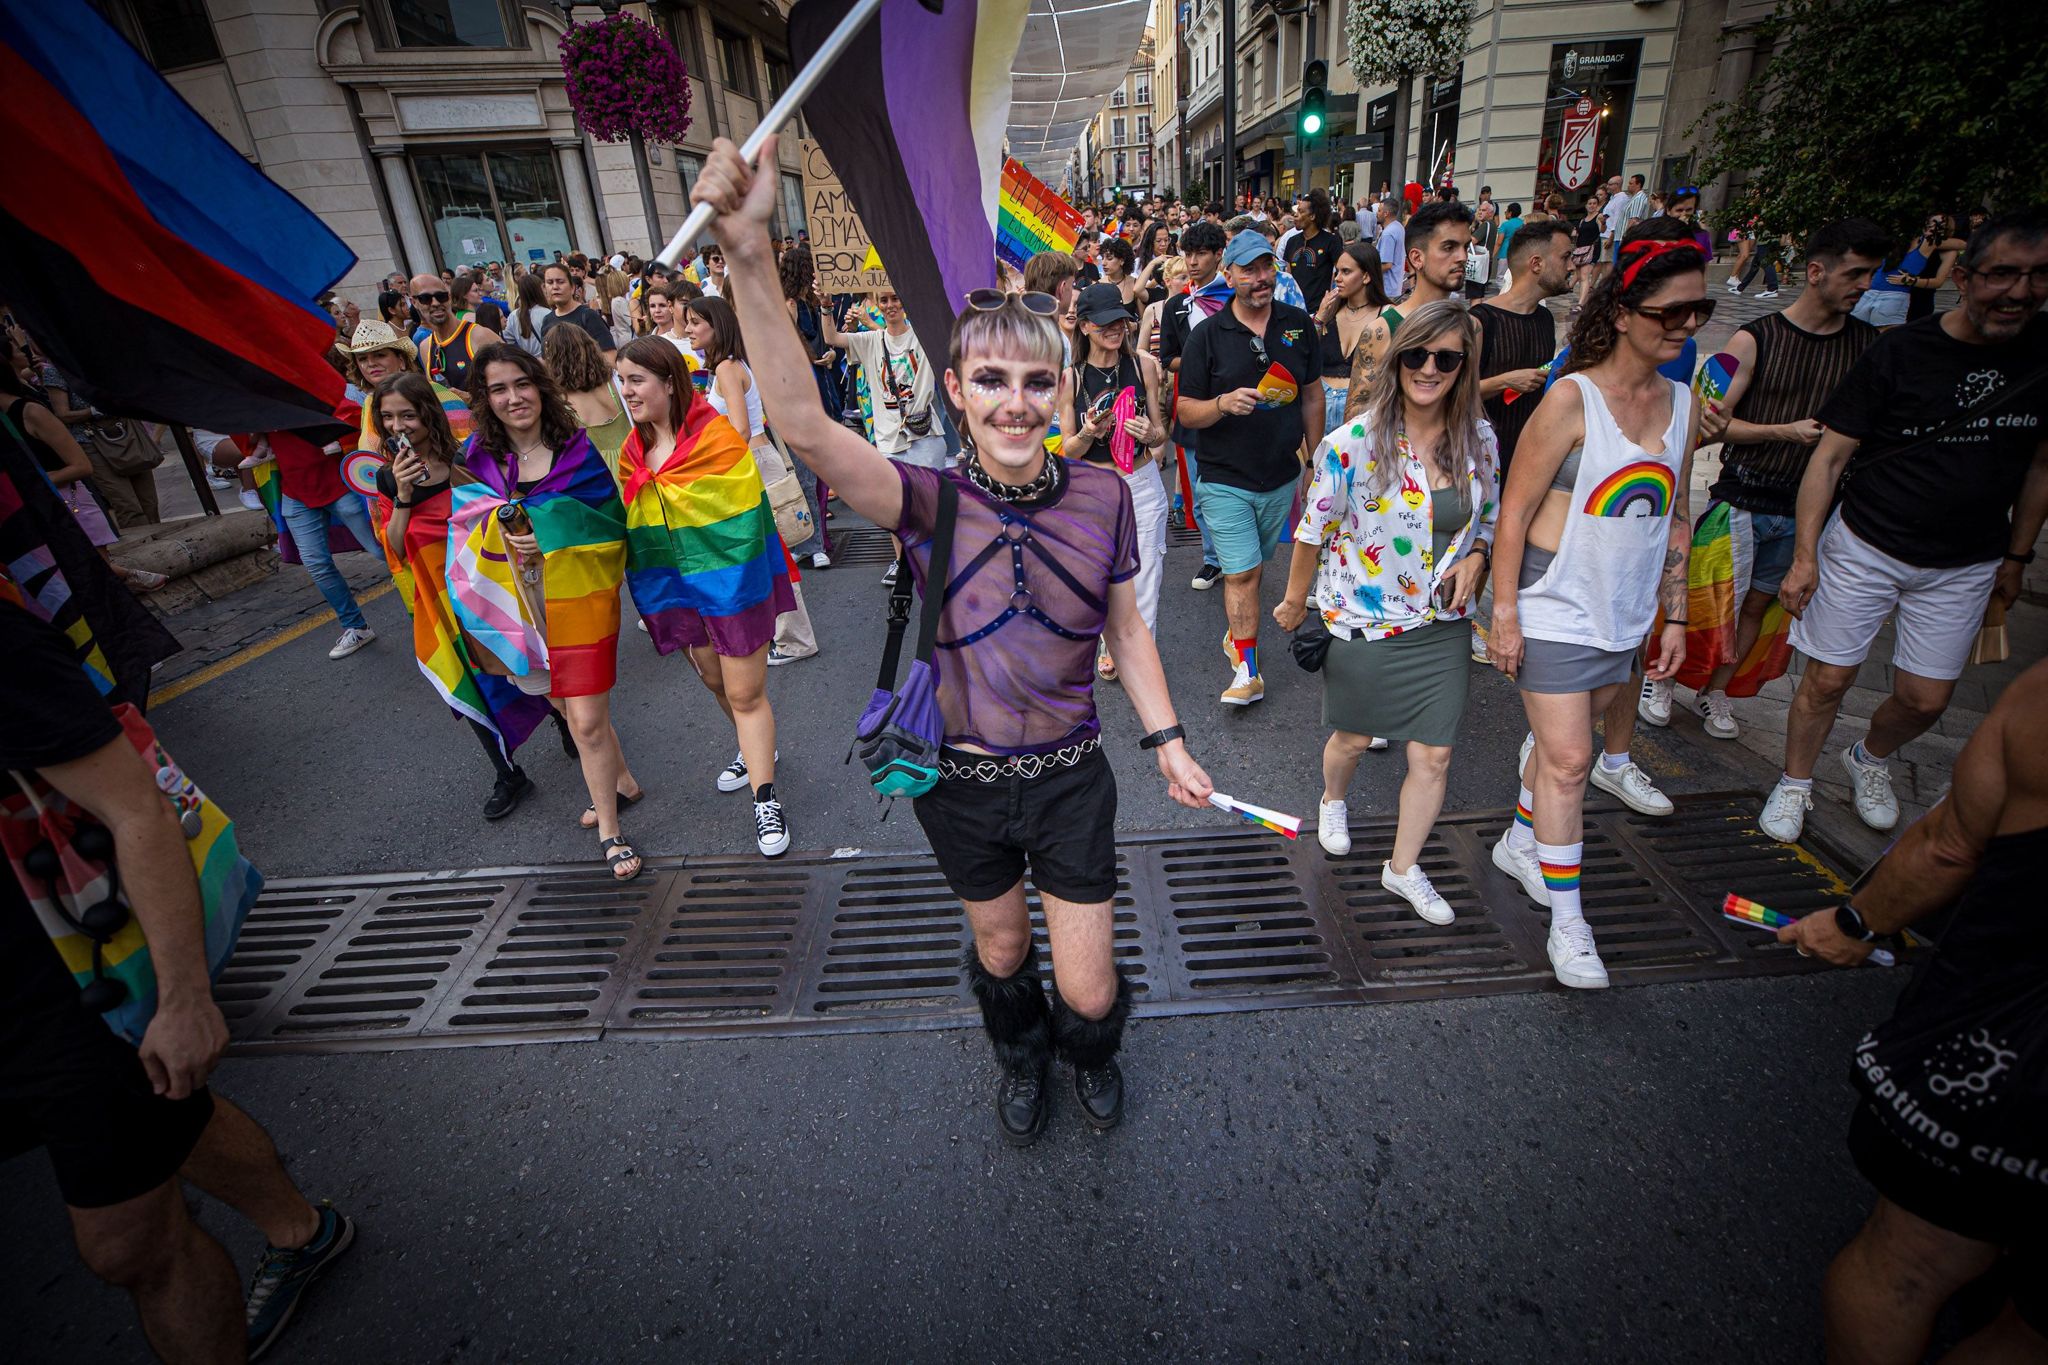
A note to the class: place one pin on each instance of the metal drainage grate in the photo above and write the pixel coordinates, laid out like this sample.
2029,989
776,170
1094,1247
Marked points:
813,942
861,545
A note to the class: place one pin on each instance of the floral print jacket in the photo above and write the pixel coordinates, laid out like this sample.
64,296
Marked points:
1378,576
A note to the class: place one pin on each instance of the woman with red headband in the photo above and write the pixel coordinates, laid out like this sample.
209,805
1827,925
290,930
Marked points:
1593,538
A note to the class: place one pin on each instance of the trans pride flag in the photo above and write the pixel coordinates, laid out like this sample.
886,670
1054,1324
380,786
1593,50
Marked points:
913,120
145,254
581,525
701,539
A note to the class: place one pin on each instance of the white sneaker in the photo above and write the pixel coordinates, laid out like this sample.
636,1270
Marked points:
1876,806
1717,715
1785,812
1654,706
821,560
1733,286
1413,886
1634,788
352,640
1333,827
1768,294
250,500
1376,745
1574,958
889,574
1521,864
1522,763
1479,655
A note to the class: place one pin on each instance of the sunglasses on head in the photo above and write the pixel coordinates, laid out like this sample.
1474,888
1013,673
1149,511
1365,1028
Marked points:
989,300
1447,362
1678,314
440,297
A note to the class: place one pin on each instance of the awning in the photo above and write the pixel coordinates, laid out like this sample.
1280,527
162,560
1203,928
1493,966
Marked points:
1074,53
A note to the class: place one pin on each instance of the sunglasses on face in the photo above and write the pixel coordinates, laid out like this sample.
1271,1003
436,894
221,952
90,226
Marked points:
439,297
989,300
1447,362
1675,315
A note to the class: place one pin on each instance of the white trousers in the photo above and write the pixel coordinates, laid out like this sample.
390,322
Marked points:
1149,504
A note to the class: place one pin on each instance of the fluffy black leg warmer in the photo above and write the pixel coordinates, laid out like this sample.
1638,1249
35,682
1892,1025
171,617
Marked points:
1013,1010
1091,1042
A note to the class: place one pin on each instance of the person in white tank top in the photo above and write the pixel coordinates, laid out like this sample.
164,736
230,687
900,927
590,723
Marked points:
1593,541
714,329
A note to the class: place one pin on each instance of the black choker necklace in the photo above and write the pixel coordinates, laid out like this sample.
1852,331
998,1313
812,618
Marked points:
1047,483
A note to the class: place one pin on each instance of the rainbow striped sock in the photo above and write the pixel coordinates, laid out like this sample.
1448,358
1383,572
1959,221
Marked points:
1522,833
1561,879
1248,654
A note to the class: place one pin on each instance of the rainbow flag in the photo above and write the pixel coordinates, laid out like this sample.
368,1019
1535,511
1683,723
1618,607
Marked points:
1031,218
913,120
130,228
1717,579
460,421
270,488
701,539
446,658
581,526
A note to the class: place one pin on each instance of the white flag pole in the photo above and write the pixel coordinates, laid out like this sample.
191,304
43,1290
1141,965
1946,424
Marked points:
783,110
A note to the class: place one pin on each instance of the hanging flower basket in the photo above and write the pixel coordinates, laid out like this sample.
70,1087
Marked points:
624,78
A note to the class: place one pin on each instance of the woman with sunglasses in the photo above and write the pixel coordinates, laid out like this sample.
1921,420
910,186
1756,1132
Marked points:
1110,411
1593,543
1044,551
1394,537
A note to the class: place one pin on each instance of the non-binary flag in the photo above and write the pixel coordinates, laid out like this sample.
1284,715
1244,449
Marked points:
145,255
912,120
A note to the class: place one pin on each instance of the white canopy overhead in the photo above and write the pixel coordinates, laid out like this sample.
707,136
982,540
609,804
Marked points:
1073,54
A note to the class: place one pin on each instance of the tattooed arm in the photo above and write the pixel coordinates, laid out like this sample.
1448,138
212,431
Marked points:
1672,592
1366,358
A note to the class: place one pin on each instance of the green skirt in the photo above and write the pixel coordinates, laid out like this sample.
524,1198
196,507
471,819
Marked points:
1409,686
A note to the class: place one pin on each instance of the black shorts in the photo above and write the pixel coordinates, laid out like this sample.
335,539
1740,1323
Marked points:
1063,822
1982,1207
68,1085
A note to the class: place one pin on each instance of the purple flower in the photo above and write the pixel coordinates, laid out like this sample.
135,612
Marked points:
624,77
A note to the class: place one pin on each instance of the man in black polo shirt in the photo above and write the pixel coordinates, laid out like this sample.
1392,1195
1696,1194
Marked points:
1201,247
123,1124
1251,383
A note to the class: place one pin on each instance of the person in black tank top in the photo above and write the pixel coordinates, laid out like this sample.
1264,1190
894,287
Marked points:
1955,1083
1518,334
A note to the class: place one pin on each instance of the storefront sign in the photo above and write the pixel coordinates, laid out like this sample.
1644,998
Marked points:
1575,154
845,258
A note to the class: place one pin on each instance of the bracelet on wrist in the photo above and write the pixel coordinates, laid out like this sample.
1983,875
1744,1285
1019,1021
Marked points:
1160,737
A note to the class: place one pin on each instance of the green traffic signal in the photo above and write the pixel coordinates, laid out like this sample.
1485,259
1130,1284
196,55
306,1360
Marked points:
1314,98
1311,123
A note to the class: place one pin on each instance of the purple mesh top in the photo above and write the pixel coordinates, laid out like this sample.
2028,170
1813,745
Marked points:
1029,596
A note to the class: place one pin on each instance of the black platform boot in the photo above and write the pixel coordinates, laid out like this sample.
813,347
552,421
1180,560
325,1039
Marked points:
1091,1045
1014,1011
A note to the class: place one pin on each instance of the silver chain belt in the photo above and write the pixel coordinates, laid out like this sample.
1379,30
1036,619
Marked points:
995,768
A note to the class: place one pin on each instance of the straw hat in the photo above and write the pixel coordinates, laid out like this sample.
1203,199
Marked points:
378,336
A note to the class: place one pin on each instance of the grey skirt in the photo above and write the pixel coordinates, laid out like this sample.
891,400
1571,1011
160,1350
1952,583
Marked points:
1556,667
1409,686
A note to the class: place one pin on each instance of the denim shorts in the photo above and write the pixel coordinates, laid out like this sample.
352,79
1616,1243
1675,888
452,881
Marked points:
1772,541
1245,527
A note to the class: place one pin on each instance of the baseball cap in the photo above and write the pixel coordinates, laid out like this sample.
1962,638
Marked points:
1247,247
1101,304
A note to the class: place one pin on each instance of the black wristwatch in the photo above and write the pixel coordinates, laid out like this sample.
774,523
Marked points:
1159,737
2026,558
1850,922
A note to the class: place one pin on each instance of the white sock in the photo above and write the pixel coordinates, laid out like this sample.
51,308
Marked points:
1798,784
1864,756
1522,832
1561,879
1614,763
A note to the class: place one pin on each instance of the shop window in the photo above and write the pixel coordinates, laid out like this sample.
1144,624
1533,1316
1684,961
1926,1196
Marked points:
503,205
448,23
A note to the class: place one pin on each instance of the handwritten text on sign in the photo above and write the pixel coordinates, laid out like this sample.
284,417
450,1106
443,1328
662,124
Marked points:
846,260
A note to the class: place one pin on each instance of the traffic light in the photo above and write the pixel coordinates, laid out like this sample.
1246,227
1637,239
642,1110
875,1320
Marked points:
1309,120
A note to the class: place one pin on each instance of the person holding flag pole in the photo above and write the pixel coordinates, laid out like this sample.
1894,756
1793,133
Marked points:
1021,777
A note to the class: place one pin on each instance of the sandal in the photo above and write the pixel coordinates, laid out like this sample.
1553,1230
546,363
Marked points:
589,817
618,852
1105,667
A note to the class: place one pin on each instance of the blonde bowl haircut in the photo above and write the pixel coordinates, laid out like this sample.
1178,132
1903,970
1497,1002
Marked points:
1428,327
1012,332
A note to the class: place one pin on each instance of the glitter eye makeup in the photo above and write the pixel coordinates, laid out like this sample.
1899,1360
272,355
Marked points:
1039,390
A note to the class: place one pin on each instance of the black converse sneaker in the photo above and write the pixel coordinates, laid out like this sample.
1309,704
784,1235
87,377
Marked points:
771,834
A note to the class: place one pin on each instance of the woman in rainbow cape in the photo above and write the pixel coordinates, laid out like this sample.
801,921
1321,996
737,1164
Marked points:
703,560
415,491
536,551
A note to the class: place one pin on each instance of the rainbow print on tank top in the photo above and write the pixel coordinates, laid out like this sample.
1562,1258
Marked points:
1641,489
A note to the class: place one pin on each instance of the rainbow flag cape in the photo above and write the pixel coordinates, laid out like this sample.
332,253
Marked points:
581,526
270,488
131,228
701,539
50,568
1031,218
460,421
448,660
914,123
1717,579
